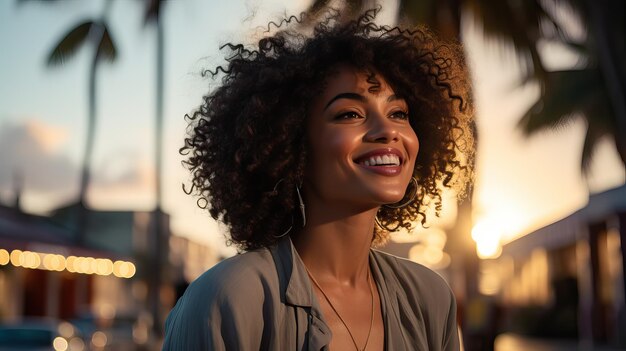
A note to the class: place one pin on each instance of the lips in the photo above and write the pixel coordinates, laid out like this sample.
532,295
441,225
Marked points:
386,161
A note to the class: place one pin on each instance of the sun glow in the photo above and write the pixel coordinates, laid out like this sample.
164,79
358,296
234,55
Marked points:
492,231
488,237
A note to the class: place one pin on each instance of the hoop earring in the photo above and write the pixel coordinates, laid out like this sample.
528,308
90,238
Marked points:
287,232
275,191
384,227
301,207
405,204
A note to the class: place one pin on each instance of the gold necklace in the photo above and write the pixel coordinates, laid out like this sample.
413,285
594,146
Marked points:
369,284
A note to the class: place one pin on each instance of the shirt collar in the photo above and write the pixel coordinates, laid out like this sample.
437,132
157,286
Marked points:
296,290
295,286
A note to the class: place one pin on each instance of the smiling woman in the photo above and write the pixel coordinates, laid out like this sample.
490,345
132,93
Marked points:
356,135
311,151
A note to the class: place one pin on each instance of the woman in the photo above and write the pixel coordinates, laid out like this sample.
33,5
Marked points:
311,151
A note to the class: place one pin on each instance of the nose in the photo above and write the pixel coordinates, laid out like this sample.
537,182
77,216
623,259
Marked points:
381,129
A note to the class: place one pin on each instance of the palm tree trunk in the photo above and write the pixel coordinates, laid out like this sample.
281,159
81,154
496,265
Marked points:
160,232
96,34
159,110
600,25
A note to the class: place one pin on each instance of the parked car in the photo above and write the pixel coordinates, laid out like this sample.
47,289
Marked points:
113,334
40,335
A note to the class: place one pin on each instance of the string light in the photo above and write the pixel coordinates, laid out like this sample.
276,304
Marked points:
5,258
72,264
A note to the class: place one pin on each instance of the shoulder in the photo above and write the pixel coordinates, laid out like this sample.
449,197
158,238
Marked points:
238,277
223,304
414,278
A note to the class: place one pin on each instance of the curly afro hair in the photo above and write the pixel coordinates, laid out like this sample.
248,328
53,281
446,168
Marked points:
246,146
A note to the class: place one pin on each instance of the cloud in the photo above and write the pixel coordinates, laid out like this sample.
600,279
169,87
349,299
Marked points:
32,153
49,137
123,167
29,153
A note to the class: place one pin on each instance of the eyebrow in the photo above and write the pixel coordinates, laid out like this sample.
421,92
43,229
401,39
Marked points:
358,97
394,97
351,96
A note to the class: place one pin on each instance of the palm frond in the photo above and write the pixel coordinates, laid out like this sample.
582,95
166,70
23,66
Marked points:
348,9
566,93
592,137
106,47
67,47
152,11
566,15
580,48
317,6
600,123
508,22
576,6
355,7
418,11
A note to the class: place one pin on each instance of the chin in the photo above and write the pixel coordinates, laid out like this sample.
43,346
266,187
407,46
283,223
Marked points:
388,199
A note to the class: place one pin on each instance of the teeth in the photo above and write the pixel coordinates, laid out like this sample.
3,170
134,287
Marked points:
382,160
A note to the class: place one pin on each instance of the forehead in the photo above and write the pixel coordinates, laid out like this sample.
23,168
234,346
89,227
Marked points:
345,78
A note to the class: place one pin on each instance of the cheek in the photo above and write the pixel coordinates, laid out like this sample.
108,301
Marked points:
412,144
340,143
336,145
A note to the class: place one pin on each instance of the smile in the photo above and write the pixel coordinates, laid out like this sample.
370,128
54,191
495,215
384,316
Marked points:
380,157
385,160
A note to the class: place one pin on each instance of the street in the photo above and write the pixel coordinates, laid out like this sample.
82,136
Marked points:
513,342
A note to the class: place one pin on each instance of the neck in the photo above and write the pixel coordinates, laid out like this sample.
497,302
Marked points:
335,243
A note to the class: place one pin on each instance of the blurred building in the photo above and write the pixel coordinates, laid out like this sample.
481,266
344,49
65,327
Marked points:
36,278
188,259
113,272
567,279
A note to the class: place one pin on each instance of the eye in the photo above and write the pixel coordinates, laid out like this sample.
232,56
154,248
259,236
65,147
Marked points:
401,115
348,116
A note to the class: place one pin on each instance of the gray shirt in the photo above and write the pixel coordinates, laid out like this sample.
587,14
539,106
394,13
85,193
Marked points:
263,300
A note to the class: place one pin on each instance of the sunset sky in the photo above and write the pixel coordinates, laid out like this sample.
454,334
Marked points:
521,183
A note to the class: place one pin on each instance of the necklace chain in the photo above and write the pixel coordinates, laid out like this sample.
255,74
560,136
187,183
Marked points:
369,332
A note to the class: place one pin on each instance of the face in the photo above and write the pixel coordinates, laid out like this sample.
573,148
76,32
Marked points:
362,149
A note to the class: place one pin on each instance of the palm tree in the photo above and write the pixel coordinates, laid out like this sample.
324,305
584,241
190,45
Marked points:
93,32
152,16
595,89
97,33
